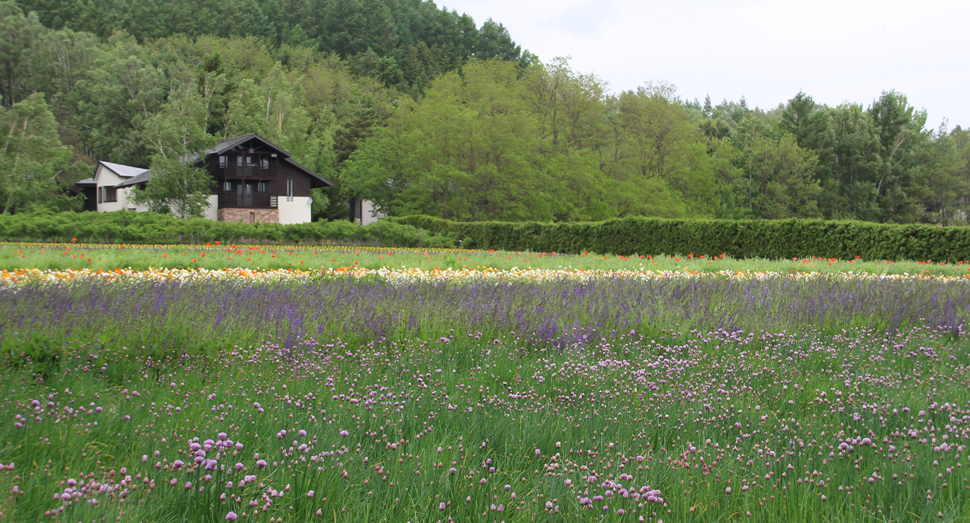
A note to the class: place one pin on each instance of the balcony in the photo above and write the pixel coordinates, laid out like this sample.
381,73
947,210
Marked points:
257,200
235,170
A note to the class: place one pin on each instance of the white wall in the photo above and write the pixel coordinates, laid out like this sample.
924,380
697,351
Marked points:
369,213
106,177
297,211
212,212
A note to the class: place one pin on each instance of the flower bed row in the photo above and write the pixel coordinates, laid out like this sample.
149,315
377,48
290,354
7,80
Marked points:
409,275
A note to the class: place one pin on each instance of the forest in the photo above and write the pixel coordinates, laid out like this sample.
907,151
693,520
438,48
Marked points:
424,112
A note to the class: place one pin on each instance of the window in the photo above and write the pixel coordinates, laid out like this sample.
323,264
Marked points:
107,194
264,163
228,187
261,187
289,190
223,162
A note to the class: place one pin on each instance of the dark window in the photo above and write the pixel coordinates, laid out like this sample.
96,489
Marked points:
289,190
109,194
261,187
228,186
264,163
223,162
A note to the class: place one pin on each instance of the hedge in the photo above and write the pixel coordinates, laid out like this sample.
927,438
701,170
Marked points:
771,239
162,229
738,239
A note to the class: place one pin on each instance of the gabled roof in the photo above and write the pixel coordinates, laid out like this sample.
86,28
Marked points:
125,171
86,181
137,175
231,143
311,174
135,180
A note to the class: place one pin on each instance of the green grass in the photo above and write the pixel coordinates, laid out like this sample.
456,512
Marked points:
690,418
687,411
108,257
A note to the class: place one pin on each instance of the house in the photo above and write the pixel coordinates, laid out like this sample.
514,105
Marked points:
103,187
255,181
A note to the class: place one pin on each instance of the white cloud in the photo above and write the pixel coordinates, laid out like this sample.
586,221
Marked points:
836,51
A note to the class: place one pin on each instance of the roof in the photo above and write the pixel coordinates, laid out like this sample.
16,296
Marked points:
125,171
141,178
231,143
86,181
308,172
137,175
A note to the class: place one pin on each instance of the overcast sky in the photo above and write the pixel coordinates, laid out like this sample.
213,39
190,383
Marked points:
837,51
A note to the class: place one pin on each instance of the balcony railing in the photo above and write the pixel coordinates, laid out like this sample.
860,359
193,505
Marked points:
257,200
235,170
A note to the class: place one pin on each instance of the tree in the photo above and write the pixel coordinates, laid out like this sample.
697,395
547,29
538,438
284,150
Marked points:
799,118
901,139
847,145
782,178
943,185
116,99
468,151
177,135
31,157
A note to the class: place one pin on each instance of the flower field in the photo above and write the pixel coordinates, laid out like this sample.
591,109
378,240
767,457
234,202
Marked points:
564,391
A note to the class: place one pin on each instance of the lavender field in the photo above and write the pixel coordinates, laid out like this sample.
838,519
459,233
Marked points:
828,398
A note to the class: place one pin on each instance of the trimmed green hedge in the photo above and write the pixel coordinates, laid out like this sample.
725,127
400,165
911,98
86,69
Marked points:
151,228
772,239
738,239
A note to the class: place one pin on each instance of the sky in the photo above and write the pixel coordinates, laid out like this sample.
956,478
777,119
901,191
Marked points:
836,51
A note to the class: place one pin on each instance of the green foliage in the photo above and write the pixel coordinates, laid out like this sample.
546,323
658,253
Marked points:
420,110
31,156
155,228
547,145
771,239
178,136
402,44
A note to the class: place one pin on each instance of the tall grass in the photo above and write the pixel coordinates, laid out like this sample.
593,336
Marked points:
860,426
176,317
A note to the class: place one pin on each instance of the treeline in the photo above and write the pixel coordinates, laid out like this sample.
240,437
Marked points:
123,82
547,144
403,43
420,111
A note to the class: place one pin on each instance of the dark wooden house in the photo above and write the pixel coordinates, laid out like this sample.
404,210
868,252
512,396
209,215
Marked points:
255,181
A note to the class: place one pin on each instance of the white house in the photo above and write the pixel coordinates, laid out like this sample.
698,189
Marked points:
106,179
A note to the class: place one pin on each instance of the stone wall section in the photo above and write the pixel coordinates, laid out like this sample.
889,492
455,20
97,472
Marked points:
248,215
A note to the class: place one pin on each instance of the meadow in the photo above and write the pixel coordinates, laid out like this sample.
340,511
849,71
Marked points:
570,388
94,257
